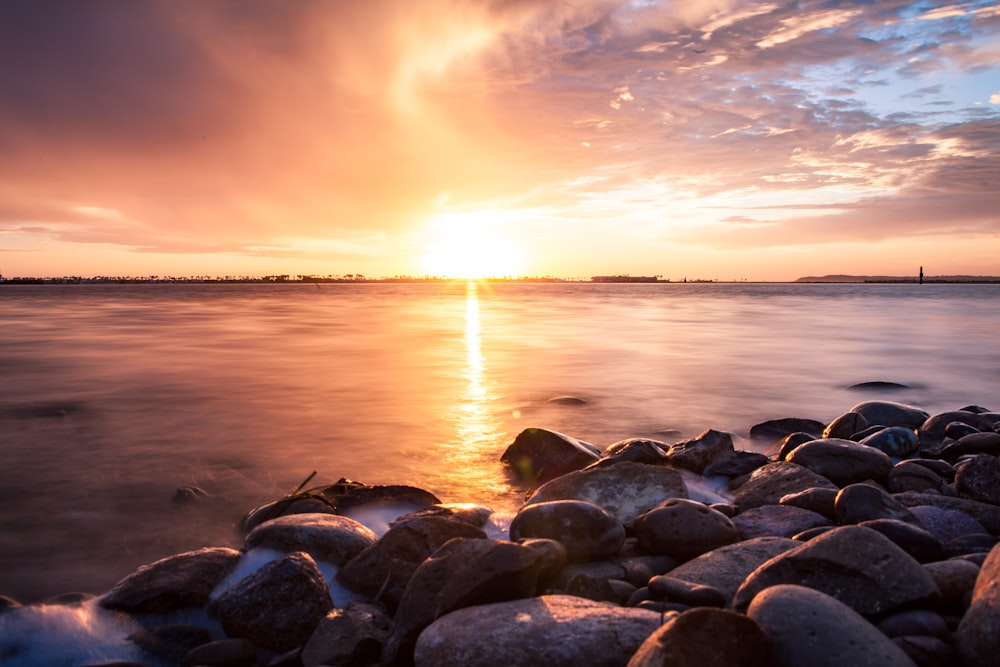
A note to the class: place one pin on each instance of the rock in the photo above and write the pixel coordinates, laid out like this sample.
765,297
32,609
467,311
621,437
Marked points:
955,579
914,622
351,636
704,637
635,450
775,429
175,582
462,573
695,455
896,441
845,426
878,385
625,490
890,413
172,642
600,589
222,653
912,476
329,537
910,537
474,515
979,631
769,483
189,495
552,630
864,502
725,568
538,455
937,424
986,514
743,463
552,556
969,544
842,462
776,521
821,501
671,589
808,627
946,525
601,569
928,651
859,566
975,443
683,529
586,530
978,479
278,606
787,444
382,570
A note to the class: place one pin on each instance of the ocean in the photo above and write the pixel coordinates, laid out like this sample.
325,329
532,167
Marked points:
116,396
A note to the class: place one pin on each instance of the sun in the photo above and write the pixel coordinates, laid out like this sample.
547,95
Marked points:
471,245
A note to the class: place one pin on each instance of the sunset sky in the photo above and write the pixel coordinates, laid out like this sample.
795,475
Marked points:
692,138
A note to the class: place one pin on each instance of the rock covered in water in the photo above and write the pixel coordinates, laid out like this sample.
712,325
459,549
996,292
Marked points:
329,537
538,455
624,490
175,582
551,630
278,606
586,530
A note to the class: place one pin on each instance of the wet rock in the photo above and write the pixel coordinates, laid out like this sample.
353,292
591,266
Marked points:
775,429
625,490
910,537
727,567
979,631
329,537
890,413
348,637
769,483
859,566
382,570
709,447
635,450
821,501
538,455
222,653
896,441
702,637
912,476
552,630
462,573
846,425
979,479
986,514
175,582
278,606
864,502
842,462
808,627
671,589
776,521
567,400
683,529
586,530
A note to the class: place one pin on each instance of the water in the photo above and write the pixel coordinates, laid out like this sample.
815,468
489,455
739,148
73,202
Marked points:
116,396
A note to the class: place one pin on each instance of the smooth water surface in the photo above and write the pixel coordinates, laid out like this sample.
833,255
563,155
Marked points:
116,396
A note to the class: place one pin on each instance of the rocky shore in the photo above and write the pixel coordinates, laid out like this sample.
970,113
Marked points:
869,540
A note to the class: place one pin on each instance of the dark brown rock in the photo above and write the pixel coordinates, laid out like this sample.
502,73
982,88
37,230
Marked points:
979,479
910,537
842,462
955,578
769,483
222,653
705,638
776,521
864,502
671,589
912,476
985,513
846,425
775,429
329,537
683,529
709,447
586,530
890,413
347,637
538,455
896,441
979,631
821,501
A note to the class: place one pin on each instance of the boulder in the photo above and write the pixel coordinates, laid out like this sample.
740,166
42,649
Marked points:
175,582
743,463
328,537
351,636
635,450
978,479
859,566
808,627
891,413
538,455
551,630
864,502
842,462
955,578
586,530
696,454
625,490
767,484
278,606
776,521
382,570
979,631
937,424
705,637
683,529
845,426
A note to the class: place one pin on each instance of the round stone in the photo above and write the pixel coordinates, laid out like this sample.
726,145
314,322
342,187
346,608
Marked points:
683,529
587,531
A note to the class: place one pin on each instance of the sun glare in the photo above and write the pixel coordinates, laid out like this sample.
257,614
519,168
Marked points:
471,245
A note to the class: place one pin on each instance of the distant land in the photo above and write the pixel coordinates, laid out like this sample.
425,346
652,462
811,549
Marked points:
841,278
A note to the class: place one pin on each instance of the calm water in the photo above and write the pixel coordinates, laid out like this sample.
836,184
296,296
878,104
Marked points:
115,396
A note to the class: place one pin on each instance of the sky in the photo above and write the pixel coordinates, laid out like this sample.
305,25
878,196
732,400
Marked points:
698,139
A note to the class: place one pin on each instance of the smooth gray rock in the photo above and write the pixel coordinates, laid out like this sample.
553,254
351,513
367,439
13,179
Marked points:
891,413
683,529
625,490
808,627
551,630
767,484
586,530
696,454
842,462
538,455
329,537
777,521
979,631
175,582
278,606
860,567
703,638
